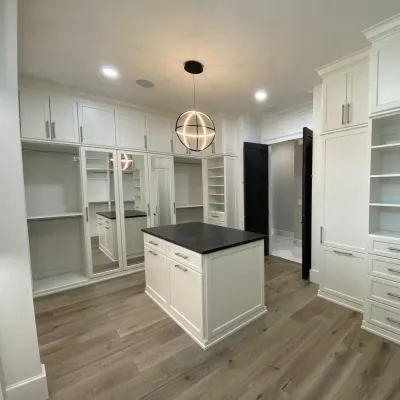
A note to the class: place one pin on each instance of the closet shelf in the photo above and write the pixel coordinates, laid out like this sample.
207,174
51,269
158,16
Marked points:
215,202
216,176
389,234
44,285
221,167
55,216
384,205
190,206
215,185
386,176
216,194
383,147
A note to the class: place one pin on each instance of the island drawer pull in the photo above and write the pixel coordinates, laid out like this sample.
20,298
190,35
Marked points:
152,252
393,295
151,242
181,268
393,321
395,271
393,249
182,256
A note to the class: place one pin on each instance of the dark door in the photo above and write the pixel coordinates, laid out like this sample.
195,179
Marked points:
307,201
255,159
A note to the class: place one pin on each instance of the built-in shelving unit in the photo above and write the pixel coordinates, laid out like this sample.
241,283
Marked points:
216,186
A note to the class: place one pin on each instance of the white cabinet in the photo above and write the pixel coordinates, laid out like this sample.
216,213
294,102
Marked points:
345,191
345,92
64,119
131,129
342,277
186,294
157,275
226,136
97,124
159,134
385,65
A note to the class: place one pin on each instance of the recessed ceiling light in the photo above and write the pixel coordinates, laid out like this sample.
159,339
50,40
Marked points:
260,95
144,83
110,72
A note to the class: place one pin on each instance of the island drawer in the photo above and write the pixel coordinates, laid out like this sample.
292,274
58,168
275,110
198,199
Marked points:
383,267
155,242
184,256
216,216
381,315
383,291
383,246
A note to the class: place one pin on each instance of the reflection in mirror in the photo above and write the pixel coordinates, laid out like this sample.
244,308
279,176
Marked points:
135,206
102,211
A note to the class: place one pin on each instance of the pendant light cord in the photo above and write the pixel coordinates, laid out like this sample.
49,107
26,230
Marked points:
194,94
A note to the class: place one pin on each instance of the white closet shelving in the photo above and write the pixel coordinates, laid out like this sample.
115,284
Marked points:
54,214
188,189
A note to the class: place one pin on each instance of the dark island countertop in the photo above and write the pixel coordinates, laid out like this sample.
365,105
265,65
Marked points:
128,214
203,238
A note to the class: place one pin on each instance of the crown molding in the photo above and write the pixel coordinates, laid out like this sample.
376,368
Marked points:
383,29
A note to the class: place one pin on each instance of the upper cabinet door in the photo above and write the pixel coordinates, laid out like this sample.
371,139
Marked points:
131,129
34,115
159,131
229,136
385,76
357,95
97,124
64,119
334,101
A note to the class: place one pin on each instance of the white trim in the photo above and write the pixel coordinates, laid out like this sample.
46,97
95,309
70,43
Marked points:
383,28
314,276
34,388
340,301
278,232
286,138
376,330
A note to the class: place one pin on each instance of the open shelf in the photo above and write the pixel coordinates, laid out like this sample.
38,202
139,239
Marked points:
388,234
56,282
221,167
387,147
215,185
384,205
386,176
215,202
216,176
189,206
55,216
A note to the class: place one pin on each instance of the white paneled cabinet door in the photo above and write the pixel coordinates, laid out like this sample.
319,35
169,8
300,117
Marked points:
97,124
34,115
159,132
185,295
345,177
64,119
357,95
131,129
334,94
157,275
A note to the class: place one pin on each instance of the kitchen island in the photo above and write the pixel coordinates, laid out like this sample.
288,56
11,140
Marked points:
209,279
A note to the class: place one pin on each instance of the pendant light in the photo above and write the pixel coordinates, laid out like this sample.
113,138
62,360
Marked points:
195,130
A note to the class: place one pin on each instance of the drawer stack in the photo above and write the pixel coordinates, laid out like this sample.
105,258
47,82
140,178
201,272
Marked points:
382,304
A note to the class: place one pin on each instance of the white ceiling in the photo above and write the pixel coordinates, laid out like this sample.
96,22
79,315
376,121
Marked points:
243,44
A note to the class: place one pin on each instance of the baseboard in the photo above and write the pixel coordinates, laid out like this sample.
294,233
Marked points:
340,301
34,388
314,276
278,232
380,332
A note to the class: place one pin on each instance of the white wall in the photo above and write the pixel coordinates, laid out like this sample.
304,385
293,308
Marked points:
286,125
282,188
19,351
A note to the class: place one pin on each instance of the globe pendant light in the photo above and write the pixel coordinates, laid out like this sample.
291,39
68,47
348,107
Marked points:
195,130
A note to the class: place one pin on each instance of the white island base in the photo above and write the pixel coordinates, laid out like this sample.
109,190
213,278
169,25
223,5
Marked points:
209,295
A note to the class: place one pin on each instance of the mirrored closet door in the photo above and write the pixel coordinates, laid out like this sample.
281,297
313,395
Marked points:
162,194
102,211
134,205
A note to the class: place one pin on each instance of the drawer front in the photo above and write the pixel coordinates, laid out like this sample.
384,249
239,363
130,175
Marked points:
384,247
383,316
156,243
216,216
184,257
383,267
217,223
383,291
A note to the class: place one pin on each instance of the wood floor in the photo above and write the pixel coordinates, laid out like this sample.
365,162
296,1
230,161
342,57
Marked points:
109,341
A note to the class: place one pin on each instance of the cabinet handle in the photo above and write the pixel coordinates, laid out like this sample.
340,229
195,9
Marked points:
393,321
172,146
174,208
87,214
393,295
151,242
182,256
321,229
342,114
348,113
346,253
47,128
181,268
148,208
393,249
81,132
145,141
53,130
213,148
153,252
394,271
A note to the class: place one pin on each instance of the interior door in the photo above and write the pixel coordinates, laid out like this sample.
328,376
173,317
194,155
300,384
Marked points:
162,194
64,119
307,201
256,207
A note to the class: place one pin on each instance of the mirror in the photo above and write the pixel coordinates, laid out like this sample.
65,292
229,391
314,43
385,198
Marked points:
134,195
103,216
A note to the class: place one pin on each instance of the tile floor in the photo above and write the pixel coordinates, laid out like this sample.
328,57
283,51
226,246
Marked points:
284,247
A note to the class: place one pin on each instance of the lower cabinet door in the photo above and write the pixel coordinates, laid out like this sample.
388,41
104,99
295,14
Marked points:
157,275
186,296
343,274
